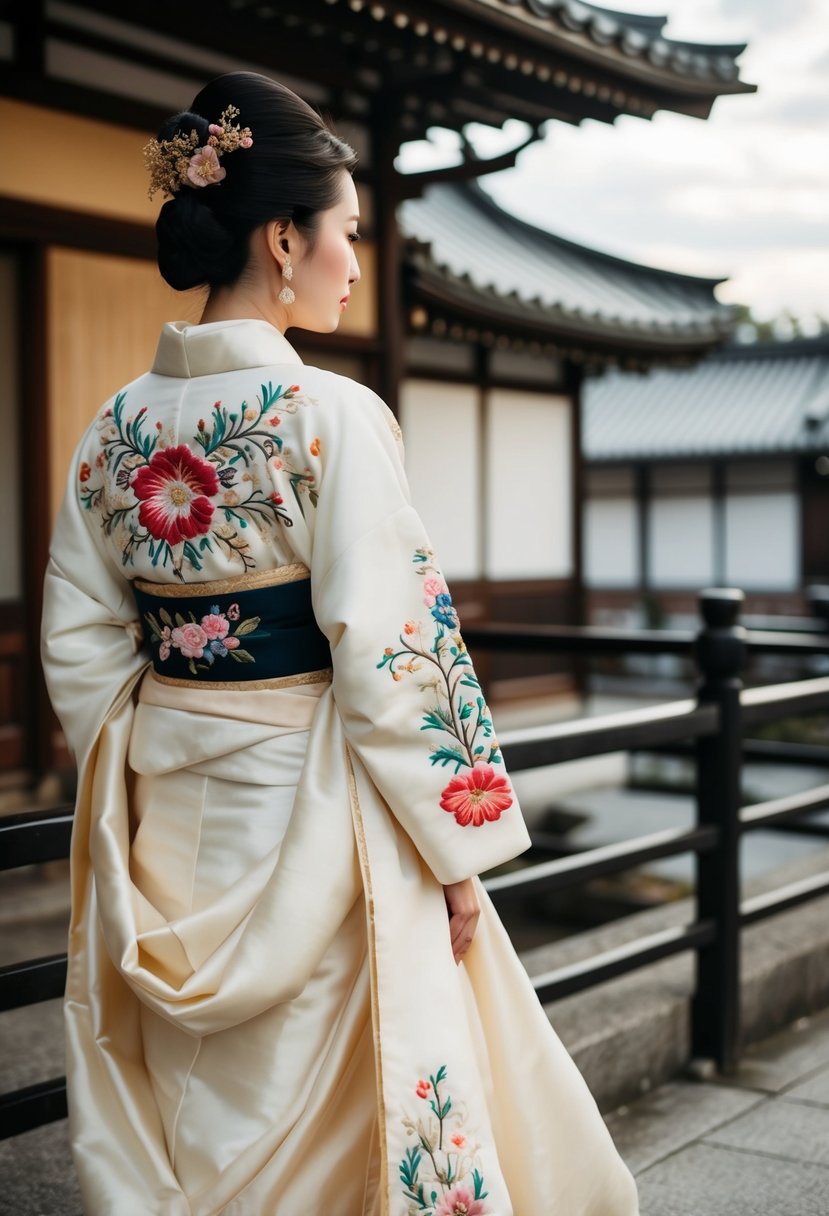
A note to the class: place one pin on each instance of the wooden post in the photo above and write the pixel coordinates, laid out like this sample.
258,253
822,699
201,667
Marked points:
720,653
390,302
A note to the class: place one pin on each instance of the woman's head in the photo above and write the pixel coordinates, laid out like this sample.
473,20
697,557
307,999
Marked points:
289,196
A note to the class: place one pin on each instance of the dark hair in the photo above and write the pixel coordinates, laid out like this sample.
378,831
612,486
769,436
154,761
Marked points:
293,172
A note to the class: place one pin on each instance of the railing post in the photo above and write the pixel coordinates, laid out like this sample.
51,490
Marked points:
720,653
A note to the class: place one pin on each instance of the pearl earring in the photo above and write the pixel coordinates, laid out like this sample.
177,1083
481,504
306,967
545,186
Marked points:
286,295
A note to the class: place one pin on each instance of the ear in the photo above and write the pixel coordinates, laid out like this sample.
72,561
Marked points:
281,239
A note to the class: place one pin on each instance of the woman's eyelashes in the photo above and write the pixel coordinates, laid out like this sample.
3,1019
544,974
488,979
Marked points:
354,236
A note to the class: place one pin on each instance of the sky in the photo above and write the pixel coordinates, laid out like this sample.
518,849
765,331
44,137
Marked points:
743,194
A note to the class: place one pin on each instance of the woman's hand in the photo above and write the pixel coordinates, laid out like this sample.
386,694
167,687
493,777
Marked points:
464,910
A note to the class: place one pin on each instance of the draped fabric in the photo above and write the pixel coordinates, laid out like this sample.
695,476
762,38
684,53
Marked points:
263,1013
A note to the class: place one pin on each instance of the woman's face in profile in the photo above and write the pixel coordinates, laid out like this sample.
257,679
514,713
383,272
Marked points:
324,275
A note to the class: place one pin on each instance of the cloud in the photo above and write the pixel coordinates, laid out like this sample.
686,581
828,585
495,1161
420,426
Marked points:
742,193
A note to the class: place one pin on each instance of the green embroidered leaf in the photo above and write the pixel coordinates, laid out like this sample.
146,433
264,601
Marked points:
478,750
154,625
448,755
469,681
192,555
247,626
478,1183
465,710
192,667
242,656
165,616
437,719
180,621
445,1109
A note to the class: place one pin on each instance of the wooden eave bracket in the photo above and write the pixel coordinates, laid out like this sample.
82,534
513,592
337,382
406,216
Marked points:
412,185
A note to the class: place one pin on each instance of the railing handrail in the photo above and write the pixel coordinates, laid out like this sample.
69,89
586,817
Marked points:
593,639
715,722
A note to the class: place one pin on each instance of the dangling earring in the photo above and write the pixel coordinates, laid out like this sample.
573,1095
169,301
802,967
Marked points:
286,295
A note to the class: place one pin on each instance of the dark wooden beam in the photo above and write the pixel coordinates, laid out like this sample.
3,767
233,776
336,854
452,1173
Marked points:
411,185
390,303
39,719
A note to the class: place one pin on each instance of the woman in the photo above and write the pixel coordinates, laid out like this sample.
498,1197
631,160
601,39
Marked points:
287,991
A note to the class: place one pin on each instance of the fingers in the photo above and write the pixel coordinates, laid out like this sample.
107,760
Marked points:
464,910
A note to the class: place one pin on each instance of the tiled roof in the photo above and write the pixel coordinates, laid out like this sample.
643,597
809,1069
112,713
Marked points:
768,397
638,38
464,248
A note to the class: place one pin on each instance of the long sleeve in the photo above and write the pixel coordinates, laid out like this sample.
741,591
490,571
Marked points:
404,684
89,646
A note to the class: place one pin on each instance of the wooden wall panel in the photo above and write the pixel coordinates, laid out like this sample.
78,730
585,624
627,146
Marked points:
104,317
65,160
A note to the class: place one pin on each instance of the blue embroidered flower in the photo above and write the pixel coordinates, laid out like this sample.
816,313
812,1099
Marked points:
443,611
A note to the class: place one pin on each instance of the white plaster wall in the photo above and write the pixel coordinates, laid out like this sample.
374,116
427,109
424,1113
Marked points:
610,542
441,435
762,541
527,491
681,541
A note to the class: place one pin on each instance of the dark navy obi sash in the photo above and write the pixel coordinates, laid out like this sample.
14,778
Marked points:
257,630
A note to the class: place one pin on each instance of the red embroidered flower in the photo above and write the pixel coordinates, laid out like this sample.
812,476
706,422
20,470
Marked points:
175,489
478,796
85,472
422,1089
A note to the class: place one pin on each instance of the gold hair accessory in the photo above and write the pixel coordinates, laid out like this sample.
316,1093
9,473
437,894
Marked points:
180,161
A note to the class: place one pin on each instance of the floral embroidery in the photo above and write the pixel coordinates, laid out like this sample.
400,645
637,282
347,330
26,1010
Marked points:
208,639
175,489
479,795
440,1172
180,503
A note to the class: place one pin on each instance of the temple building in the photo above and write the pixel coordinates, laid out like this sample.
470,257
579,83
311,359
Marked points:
484,363
711,475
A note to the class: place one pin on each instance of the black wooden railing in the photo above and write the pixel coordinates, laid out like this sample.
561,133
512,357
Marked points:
711,727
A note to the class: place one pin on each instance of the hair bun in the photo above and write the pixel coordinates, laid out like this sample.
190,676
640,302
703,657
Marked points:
194,247
185,121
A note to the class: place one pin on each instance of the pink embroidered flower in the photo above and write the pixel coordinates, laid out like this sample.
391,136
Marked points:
190,639
204,169
422,1089
215,625
409,627
477,797
459,1201
164,646
215,129
246,141
433,587
85,472
233,612
174,490
459,1140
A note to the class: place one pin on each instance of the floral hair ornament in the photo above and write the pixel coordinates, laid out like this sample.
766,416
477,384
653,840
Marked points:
181,161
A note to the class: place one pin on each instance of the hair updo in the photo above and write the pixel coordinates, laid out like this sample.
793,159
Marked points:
293,172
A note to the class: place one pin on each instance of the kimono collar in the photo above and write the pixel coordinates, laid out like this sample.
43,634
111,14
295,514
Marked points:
186,350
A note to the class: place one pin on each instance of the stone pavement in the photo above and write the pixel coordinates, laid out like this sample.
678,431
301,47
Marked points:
752,1144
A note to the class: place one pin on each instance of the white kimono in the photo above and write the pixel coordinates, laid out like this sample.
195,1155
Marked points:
263,1012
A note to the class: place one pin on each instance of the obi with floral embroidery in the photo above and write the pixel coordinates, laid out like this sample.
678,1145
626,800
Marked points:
251,631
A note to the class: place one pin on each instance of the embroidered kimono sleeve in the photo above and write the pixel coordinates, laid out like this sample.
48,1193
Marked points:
403,682
89,635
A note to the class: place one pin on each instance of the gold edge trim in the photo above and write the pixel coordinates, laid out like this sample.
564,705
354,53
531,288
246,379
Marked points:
362,848
227,586
305,677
